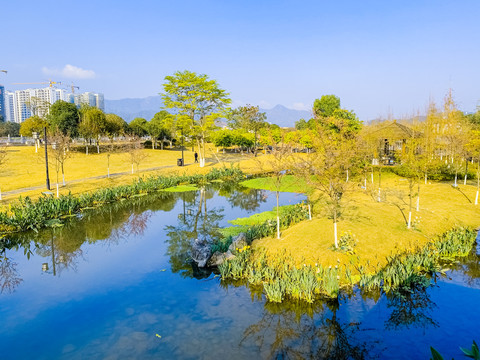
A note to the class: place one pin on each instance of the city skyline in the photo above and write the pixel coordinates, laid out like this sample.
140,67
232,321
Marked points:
380,58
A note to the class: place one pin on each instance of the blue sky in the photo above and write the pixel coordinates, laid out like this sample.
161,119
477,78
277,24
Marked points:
379,57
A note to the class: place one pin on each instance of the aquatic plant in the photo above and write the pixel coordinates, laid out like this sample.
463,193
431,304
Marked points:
27,214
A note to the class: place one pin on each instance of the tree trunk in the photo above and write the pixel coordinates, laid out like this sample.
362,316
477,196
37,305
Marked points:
132,168
335,228
478,181
418,197
278,219
63,175
86,151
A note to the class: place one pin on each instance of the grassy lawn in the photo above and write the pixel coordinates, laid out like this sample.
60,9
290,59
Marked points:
24,169
379,227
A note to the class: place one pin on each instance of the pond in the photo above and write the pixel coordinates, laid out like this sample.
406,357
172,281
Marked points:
119,284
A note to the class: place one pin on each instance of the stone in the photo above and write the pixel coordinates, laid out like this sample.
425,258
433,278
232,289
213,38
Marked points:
201,252
218,258
238,243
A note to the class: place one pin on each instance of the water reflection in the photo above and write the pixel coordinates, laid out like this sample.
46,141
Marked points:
293,330
9,278
410,309
197,221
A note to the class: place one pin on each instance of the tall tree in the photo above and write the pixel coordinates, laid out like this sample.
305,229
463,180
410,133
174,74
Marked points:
325,106
199,99
32,124
65,117
248,118
114,125
138,127
160,127
326,167
93,124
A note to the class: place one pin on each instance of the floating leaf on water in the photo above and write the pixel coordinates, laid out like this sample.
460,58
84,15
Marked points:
163,270
159,336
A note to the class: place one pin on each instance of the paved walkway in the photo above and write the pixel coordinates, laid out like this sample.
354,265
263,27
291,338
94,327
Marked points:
19,191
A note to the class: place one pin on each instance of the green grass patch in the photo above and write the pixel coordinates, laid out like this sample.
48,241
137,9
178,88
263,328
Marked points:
181,188
289,183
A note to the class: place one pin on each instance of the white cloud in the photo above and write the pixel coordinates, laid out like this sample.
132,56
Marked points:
70,72
300,106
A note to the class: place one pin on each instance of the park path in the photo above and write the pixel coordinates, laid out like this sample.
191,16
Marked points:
39,187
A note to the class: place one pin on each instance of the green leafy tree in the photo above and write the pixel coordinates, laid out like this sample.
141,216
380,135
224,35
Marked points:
32,124
199,99
301,124
9,128
326,106
114,125
160,127
65,117
138,127
222,138
93,124
248,118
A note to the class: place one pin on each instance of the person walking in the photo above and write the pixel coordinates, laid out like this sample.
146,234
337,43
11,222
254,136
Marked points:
196,157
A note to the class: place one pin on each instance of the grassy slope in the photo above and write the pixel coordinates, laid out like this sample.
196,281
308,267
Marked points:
379,227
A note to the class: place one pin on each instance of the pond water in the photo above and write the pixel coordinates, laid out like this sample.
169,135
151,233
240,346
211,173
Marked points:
120,285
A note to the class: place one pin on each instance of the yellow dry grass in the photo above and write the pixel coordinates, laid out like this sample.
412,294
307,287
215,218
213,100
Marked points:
379,227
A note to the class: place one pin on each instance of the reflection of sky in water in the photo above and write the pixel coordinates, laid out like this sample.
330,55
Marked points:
119,298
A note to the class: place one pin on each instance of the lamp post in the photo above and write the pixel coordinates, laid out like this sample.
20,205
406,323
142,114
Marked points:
46,156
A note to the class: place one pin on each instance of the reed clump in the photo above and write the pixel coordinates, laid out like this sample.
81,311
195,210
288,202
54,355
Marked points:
282,279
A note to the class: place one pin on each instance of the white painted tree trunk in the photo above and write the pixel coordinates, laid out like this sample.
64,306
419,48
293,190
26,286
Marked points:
98,148
409,225
365,183
36,147
455,181
372,177
63,179
465,180
347,175
425,179
310,211
108,172
418,203
132,168
335,234
57,191
476,198
86,152
379,195
278,227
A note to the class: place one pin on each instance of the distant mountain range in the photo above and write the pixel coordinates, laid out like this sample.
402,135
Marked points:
146,108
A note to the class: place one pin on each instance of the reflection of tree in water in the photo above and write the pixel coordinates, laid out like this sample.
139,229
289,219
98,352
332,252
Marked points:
9,278
410,308
61,246
469,267
196,222
305,331
240,196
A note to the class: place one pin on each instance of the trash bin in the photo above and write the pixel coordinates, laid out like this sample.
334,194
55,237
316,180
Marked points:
179,162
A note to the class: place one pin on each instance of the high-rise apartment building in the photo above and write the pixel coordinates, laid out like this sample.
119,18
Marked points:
22,104
3,114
